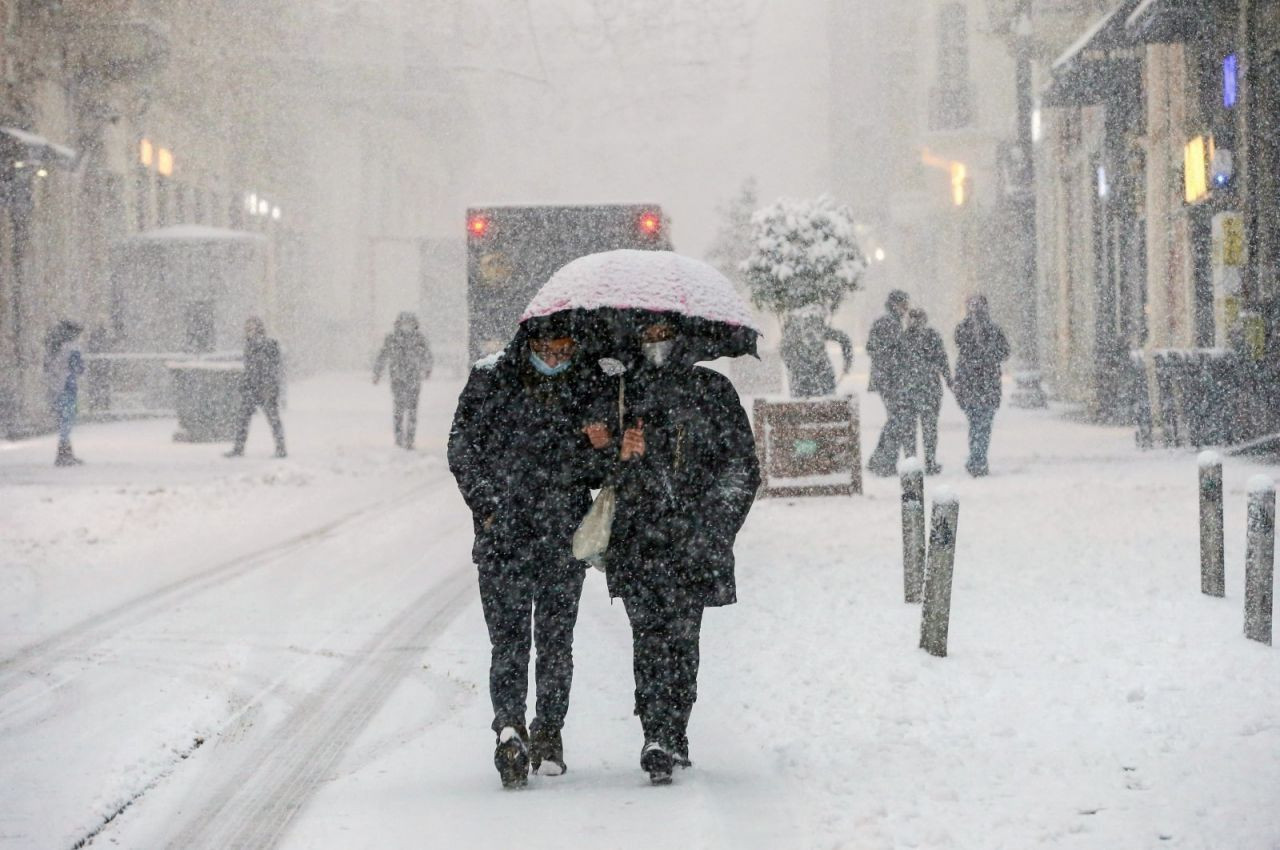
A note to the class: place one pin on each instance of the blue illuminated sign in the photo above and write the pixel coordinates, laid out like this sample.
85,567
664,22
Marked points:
1229,85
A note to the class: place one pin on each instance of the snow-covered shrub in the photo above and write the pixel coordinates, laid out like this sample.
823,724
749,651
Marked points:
804,252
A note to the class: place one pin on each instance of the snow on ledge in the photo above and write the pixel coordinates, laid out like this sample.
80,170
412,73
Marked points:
1207,459
1262,484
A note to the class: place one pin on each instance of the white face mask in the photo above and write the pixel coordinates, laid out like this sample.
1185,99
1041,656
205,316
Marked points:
656,353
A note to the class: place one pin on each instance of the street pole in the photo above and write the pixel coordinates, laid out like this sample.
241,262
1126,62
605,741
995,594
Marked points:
1027,391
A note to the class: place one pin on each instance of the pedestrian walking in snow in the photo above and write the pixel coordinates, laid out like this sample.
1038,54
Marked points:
980,349
259,385
408,358
925,370
525,467
685,479
884,347
804,352
63,366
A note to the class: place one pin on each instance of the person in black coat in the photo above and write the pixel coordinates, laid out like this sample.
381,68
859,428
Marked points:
686,475
406,352
884,347
804,351
980,349
259,385
925,370
525,467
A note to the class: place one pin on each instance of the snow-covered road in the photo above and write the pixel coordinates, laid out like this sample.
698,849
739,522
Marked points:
198,652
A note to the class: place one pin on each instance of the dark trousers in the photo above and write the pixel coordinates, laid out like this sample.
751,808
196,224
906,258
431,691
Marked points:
925,411
898,433
404,412
979,437
512,596
664,640
271,407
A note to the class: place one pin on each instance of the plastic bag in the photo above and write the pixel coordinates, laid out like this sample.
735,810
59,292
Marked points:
591,540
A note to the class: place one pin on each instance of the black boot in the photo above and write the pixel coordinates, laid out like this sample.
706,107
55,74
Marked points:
65,456
546,751
657,762
511,756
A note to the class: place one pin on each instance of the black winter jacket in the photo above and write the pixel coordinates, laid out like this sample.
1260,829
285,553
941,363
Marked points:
409,359
521,460
681,504
884,347
261,376
980,349
925,365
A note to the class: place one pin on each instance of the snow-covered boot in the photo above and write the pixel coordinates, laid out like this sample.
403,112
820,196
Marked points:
656,761
511,756
546,752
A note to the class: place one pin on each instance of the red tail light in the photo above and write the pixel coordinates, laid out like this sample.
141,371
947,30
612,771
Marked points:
650,224
477,226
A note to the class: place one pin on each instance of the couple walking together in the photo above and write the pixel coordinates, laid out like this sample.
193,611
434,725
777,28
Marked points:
536,429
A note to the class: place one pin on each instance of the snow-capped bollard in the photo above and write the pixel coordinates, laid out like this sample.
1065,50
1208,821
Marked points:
1260,559
911,473
1212,575
935,619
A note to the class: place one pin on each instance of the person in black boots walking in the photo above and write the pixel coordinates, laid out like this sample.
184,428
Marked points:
980,349
259,385
925,371
884,347
525,467
63,366
405,350
686,475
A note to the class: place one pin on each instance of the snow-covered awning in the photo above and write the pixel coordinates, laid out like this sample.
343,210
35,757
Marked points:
195,233
40,147
1163,22
1094,62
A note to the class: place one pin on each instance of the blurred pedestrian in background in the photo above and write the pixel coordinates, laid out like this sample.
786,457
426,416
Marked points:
408,357
63,366
925,370
884,347
259,385
980,349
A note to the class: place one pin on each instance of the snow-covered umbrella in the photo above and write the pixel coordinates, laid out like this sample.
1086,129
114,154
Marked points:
611,290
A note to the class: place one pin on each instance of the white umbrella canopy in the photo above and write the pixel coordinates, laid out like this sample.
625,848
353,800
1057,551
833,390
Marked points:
618,285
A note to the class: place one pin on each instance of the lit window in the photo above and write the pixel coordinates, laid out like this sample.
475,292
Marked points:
145,152
1195,170
164,162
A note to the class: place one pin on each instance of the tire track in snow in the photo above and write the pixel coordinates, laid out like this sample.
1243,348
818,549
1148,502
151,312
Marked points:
35,659
255,806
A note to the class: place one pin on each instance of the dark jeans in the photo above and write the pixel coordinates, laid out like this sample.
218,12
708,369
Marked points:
511,595
664,638
404,412
898,433
925,411
979,437
271,407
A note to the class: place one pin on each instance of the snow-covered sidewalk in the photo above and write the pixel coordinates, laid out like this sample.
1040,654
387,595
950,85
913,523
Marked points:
311,668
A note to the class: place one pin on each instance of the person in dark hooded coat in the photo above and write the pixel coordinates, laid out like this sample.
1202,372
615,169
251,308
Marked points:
884,347
686,475
525,468
925,370
259,386
980,349
406,353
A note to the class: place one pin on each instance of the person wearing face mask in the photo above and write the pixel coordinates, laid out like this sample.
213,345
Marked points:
525,467
685,475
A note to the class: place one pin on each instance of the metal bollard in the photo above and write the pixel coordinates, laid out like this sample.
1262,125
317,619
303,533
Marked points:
911,472
935,620
1260,559
1212,574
